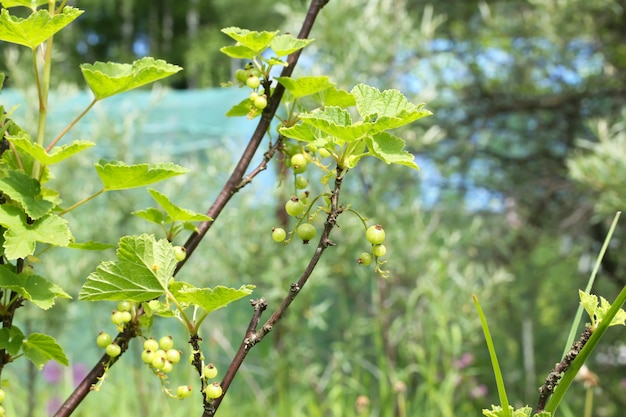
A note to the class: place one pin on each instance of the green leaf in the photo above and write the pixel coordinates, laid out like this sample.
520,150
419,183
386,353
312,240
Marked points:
151,214
590,303
141,273
57,154
175,212
238,52
301,132
305,86
287,44
256,41
116,175
36,28
336,121
11,339
212,299
390,149
31,4
334,97
40,348
33,288
90,245
240,109
107,79
497,411
390,105
20,237
26,191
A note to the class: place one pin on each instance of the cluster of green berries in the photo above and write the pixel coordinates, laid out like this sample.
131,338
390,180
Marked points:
105,341
212,390
251,77
2,397
122,315
160,355
376,236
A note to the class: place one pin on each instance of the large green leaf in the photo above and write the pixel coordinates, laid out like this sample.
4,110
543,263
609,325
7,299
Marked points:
238,52
33,288
389,105
287,44
107,79
212,299
116,175
390,149
336,121
26,191
21,236
31,4
256,41
141,273
36,28
305,86
40,348
175,212
56,155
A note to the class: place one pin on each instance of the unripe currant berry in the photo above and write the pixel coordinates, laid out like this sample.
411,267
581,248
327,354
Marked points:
324,153
365,259
158,362
253,82
294,207
213,390
117,317
301,182
306,232
253,96
241,75
166,342
278,234
103,340
124,306
375,234
3,395
147,356
113,350
209,371
167,367
180,253
126,316
183,391
261,102
151,344
173,355
379,250
299,163
2,411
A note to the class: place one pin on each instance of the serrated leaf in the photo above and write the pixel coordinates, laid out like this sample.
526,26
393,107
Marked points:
31,4
91,245
302,132
175,212
334,97
26,191
276,61
116,175
151,214
305,86
40,348
141,273
238,52
390,105
11,339
390,149
33,288
56,155
36,28
287,44
336,121
240,109
110,78
589,302
20,237
256,41
212,299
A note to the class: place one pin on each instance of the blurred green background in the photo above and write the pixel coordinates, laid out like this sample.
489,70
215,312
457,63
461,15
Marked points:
522,167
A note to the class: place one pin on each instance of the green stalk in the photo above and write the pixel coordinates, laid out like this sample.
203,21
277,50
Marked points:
71,125
504,402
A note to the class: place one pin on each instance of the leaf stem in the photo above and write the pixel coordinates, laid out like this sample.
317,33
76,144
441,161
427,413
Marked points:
71,125
81,202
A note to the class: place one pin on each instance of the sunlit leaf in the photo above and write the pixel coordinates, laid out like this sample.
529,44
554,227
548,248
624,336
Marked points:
212,299
57,154
390,149
31,4
36,28
305,86
390,105
256,41
116,175
26,191
40,348
287,44
238,52
175,212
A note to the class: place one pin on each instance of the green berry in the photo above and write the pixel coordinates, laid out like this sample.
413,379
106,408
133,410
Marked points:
3,395
379,250
167,367
301,182
180,253
241,75
103,340
209,371
2,411
304,197
147,356
151,344
306,231
117,317
365,258
113,350
324,153
278,234
253,82
183,391
166,342
158,362
124,306
126,316
260,102
375,234
213,390
299,163
173,355
294,207
253,96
